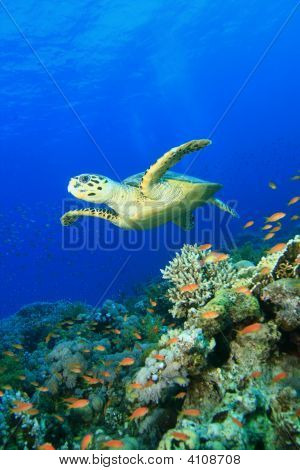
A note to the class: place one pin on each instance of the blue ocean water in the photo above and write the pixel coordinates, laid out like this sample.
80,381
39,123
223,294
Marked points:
107,87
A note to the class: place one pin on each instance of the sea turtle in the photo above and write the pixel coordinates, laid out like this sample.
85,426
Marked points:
147,199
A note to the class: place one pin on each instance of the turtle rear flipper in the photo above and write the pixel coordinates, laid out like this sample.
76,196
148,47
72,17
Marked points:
164,163
223,207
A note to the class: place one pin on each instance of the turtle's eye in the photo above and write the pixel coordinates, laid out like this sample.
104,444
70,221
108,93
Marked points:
84,179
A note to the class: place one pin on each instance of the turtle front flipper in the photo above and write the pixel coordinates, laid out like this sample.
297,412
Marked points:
164,163
69,218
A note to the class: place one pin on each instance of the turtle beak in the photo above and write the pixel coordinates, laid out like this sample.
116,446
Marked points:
73,184
74,189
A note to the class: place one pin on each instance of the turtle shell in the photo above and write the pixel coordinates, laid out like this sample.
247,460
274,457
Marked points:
135,180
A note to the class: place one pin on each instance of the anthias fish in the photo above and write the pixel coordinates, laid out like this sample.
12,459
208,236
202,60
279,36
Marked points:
249,224
277,248
189,288
276,216
82,403
139,413
114,444
127,361
210,315
86,441
251,329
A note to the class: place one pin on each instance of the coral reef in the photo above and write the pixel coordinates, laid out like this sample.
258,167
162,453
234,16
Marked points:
282,297
207,358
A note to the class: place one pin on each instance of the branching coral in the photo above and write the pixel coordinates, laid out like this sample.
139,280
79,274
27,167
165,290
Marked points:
190,267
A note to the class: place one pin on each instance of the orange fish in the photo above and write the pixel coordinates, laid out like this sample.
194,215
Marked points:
237,422
276,229
180,436
76,370
127,361
249,224
82,403
117,332
191,412
276,216
114,444
86,441
172,341
280,376
153,303
43,389
1,393
272,185
48,337
210,315
159,357
18,346
136,386
250,329
256,374
91,380
100,348
189,288
216,257
212,257
243,290
267,227
9,354
59,418
222,257
276,248
294,200
205,247
180,395
35,384
265,271
137,335
150,310
149,383
269,236
22,377
70,400
139,413
7,387
32,412
105,373
21,407
46,446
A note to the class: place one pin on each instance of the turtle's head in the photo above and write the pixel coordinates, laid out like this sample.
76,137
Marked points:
91,188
